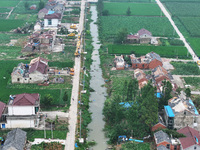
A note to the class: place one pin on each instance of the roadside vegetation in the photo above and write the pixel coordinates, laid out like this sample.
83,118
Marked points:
189,68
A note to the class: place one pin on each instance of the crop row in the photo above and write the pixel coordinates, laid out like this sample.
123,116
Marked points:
146,9
158,26
183,8
7,25
163,51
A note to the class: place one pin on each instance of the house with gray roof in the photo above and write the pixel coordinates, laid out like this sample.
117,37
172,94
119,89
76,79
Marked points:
15,140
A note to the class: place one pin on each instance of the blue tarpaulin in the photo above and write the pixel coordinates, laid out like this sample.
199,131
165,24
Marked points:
140,141
50,12
169,111
76,145
126,104
158,95
195,110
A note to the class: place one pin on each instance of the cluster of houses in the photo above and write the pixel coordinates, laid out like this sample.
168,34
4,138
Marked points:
150,62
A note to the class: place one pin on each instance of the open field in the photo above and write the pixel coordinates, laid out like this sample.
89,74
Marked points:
184,8
193,81
163,51
7,25
130,0
192,25
9,52
158,26
4,10
189,68
9,3
194,43
146,9
20,9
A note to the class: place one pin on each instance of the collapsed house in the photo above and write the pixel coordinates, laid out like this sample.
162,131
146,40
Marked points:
119,62
149,61
143,36
180,113
35,72
40,42
141,77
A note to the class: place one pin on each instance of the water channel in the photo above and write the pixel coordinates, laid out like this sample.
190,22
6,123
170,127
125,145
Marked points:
98,97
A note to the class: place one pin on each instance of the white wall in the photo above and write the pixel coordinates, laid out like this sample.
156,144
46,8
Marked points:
21,110
54,23
20,123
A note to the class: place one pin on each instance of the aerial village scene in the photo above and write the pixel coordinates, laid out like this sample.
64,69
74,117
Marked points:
99,75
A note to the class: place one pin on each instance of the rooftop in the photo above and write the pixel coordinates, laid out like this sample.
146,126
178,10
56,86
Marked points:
179,105
192,137
2,107
161,136
169,111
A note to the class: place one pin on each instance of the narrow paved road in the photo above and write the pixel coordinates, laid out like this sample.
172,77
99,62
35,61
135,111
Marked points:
70,139
190,50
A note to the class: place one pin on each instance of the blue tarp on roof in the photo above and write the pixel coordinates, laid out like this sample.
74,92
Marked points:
140,141
126,104
169,111
158,95
50,12
195,110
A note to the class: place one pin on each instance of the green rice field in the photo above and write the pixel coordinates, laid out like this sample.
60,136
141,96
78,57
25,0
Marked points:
141,9
163,51
7,25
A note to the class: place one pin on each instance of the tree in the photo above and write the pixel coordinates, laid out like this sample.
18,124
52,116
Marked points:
188,92
167,89
47,100
121,36
149,106
66,98
105,13
128,12
125,90
100,6
41,5
26,5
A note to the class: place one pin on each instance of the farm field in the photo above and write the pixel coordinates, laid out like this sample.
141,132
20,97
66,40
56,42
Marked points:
163,51
4,10
192,25
7,25
193,81
130,0
158,26
194,43
184,8
10,3
189,68
146,9
20,9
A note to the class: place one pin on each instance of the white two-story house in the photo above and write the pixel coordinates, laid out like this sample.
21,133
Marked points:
22,111
52,20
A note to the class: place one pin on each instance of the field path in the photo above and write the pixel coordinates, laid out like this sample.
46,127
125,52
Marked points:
12,10
190,50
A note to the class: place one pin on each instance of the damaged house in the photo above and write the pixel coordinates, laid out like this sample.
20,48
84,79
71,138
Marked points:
40,41
149,61
119,62
180,113
141,77
35,72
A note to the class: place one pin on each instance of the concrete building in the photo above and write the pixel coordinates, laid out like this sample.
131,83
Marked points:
52,20
15,140
119,62
35,72
183,113
149,61
23,111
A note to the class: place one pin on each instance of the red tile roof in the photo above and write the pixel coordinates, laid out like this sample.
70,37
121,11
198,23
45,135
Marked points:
25,99
144,31
190,139
53,16
39,64
2,107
